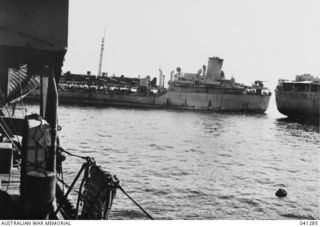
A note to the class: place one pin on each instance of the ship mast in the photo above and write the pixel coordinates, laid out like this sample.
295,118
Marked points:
101,52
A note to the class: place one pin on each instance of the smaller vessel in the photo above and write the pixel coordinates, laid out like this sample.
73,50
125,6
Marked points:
299,98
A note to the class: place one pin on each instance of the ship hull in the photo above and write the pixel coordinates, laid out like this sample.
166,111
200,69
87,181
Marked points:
170,100
298,104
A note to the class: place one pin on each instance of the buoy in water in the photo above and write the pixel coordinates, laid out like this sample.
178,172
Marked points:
281,192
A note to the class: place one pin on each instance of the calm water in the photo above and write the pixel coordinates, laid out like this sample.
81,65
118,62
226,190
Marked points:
199,165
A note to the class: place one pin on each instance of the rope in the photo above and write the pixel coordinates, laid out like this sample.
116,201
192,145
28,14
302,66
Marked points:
124,192
14,101
74,155
24,114
65,184
80,194
62,179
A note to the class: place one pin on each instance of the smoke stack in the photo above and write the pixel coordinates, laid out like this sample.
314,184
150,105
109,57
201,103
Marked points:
214,69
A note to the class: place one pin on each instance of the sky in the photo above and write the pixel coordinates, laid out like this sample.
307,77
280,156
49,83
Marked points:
258,39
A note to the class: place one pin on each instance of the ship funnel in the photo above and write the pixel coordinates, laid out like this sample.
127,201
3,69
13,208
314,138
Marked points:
214,69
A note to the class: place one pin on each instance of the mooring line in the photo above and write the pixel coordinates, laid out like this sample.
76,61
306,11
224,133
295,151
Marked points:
74,155
124,192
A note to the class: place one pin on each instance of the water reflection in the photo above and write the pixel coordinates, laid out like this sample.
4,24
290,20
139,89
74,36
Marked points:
307,125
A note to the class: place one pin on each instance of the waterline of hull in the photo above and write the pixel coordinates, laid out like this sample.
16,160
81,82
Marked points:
169,100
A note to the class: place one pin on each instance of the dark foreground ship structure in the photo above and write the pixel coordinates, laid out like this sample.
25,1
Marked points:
300,98
33,42
208,89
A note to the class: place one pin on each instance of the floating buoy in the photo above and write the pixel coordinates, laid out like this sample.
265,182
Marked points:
281,192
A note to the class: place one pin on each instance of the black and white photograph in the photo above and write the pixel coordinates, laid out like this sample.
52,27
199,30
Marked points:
171,110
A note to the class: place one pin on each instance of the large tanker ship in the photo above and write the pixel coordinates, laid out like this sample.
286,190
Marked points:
299,98
208,89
